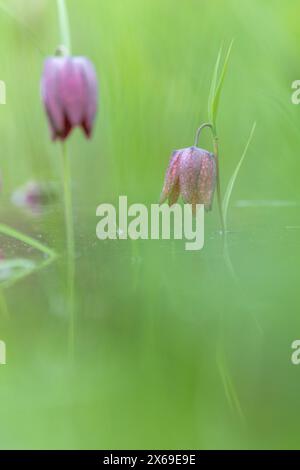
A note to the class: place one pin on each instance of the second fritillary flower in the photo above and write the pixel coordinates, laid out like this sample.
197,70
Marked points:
70,95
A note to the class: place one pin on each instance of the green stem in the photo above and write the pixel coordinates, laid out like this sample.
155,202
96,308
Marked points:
216,153
219,196
70,246
199,130
64,25
66,43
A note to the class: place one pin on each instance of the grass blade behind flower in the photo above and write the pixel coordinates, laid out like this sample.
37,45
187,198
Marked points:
232,180
217,94
217,85
213,105
213,87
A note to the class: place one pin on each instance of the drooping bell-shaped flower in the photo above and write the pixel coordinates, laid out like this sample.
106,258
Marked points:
192,173
70,95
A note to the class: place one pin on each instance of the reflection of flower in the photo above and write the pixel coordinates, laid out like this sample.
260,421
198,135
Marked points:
70,95
191,173
35,196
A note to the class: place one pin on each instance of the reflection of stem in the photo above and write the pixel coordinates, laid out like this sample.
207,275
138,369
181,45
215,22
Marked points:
230,388
70,245
228,261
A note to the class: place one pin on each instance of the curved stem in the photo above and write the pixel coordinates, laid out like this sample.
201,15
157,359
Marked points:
70,246
200,129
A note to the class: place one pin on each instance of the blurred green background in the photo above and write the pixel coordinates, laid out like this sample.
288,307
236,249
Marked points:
171,351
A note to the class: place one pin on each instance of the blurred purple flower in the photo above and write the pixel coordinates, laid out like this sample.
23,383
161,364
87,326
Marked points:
35,196
70,95
191,173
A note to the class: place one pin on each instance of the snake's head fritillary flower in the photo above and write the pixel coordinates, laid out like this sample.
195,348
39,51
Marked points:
70,95
191,173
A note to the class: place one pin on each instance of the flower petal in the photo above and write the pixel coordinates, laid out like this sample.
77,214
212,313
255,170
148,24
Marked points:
197,176
171,185
91,92
72,91
190,167
207,180
50,95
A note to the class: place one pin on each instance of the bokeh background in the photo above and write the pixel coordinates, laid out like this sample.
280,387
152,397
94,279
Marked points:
171,350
